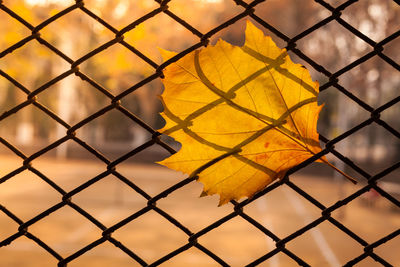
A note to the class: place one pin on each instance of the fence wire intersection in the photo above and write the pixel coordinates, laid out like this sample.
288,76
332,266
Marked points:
115,104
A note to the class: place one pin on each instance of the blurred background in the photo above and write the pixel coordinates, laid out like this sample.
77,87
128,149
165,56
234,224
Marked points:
373,148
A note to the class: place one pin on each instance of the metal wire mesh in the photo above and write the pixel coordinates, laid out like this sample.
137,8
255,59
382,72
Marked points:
238,207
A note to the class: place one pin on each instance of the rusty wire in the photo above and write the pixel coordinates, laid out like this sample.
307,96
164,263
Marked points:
114,104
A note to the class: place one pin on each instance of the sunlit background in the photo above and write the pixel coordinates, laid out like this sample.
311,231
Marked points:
113,134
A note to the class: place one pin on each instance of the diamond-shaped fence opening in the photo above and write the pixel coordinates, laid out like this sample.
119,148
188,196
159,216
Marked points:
132,214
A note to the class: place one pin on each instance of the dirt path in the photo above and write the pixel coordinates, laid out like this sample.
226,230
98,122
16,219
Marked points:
151,236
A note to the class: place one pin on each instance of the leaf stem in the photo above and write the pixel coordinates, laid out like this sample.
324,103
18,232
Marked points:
354,181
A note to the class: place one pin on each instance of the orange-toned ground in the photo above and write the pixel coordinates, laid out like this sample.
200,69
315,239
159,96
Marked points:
151,236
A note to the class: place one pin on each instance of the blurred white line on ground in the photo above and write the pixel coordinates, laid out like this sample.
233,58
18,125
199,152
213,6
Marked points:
262,207
315,232
76,235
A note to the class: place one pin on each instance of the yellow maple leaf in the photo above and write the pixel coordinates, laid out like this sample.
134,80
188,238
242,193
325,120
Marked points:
244,115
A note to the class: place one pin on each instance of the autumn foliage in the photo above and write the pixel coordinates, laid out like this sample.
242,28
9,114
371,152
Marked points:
244,115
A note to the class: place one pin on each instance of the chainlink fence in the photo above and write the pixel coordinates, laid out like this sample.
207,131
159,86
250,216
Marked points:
238,210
